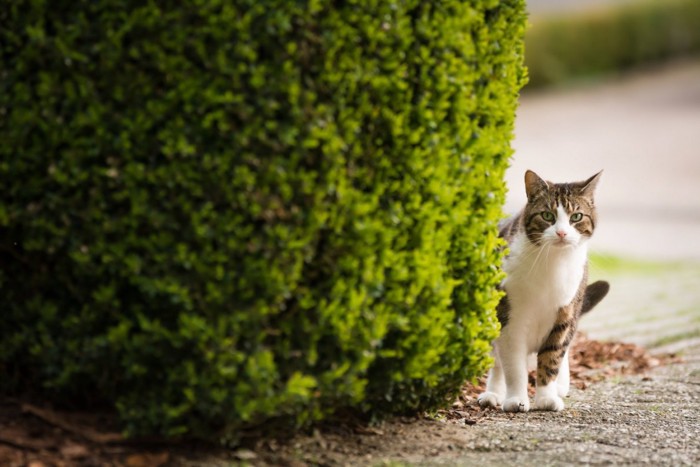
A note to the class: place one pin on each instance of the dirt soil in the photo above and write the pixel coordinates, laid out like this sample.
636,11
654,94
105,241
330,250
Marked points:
626,407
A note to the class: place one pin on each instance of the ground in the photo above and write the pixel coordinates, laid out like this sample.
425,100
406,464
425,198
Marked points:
652,417
626,406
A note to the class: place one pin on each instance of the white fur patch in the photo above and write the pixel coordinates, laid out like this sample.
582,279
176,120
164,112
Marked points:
540,280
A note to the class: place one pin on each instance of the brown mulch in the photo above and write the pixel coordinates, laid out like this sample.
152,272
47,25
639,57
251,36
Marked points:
37,436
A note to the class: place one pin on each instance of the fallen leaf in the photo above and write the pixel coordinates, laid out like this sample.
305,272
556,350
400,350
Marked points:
74,451
147,459
245,455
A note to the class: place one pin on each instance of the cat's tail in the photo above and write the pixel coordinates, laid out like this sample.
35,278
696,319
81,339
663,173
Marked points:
594,293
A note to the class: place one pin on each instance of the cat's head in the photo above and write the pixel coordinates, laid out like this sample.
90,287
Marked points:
559,214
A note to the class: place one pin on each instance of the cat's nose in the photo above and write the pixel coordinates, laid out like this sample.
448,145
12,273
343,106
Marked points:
561,233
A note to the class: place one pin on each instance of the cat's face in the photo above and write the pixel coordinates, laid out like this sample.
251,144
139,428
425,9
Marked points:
559,214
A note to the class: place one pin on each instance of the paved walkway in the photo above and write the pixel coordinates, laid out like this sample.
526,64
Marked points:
644,132
640,420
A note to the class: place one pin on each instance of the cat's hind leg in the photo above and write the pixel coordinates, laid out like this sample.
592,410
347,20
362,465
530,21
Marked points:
546,398
547,394
553,362
563,376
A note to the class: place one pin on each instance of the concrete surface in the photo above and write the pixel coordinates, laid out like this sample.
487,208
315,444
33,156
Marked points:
640,420
653,305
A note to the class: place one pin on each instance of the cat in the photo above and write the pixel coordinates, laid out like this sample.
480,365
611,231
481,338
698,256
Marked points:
546,292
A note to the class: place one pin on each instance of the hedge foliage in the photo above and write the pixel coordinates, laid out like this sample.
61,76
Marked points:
563,47
218,213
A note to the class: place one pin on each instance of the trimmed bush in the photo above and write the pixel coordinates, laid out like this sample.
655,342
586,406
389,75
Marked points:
220,213
562,48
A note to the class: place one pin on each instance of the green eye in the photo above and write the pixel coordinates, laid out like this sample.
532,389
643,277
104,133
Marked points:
575,217
548,216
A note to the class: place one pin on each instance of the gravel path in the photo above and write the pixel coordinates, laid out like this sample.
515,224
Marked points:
641,420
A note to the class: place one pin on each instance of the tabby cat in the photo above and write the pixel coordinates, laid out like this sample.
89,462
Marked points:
546,276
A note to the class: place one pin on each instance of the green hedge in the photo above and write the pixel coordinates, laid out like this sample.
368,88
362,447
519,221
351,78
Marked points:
562,47
219,213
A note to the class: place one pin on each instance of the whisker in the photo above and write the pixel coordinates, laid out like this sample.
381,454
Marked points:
549,249
537,258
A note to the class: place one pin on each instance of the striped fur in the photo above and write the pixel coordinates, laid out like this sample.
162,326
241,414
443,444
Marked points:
546,292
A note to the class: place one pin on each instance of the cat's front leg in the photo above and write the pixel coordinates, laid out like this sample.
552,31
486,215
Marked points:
514,364
495,385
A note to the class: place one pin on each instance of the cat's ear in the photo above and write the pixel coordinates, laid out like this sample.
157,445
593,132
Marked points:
534,184
588,187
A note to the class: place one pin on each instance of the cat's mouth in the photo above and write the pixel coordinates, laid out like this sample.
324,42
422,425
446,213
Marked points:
563,243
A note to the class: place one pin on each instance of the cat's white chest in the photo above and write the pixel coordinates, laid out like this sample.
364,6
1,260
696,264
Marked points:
540,281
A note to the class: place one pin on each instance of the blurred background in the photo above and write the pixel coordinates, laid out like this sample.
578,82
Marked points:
615,86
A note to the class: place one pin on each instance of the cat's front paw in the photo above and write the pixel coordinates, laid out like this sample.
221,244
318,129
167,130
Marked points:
553,403
489,399
516,404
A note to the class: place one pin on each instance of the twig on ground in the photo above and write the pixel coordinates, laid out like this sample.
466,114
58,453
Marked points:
85,432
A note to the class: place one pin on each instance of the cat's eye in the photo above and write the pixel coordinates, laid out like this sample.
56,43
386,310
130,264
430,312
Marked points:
575,217
547,216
